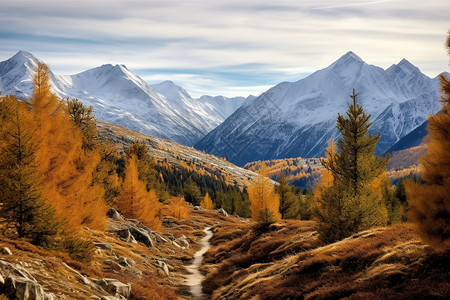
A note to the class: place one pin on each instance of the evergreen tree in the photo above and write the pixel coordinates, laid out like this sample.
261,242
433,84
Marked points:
191,192
430,201
23,204
289,206
83,118
349,205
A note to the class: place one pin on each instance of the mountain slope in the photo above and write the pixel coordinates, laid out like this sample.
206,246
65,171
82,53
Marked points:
298,118
121,97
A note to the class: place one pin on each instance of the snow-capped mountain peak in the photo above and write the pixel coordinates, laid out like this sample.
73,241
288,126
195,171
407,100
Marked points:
121,97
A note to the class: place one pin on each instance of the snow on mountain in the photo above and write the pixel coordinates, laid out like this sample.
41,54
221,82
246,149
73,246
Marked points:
295,119
120,97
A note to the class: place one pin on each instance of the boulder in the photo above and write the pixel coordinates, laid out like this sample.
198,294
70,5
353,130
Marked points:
114,214
104,246
22,288
141,235
126,262
6,251
159,238
198,208
163,266
182,241
115,287
222,212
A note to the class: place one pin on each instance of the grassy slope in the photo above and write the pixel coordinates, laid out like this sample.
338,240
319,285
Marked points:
289,263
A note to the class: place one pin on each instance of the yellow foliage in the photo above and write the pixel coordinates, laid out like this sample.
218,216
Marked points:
263,197
178,208
135,202
64,167
207,202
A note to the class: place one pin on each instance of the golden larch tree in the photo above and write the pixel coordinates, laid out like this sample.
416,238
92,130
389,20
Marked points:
430,202
134,201
207,202
265,202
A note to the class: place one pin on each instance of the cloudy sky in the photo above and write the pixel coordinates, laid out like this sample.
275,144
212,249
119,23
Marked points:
230,47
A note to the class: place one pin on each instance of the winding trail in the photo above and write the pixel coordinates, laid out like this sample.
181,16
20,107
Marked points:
194,280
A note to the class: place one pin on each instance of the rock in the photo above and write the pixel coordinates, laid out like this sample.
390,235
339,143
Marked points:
104,246
162,265
169,236
182,241
159,238
80,277
142,236
126,262
6,251
7,269
115,287
22,288
222,212
276,226
114,214
198,208
108,262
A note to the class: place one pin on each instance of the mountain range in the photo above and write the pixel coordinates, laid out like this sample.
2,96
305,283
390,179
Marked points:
295,119
118,96
291,119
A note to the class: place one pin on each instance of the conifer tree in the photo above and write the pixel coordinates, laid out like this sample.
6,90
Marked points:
83,118
289,206
65,168
430,202
349,205
191,192
265,203
135,201
23,204
207,202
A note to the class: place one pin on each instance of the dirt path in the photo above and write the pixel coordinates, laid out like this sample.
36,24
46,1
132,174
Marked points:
194,279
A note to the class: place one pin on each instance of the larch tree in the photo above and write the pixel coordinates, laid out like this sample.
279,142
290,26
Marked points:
265,202
134,201
65,167
207,202
23,206
349,205
430,202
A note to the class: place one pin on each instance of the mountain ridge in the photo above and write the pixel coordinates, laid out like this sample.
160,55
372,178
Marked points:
296,119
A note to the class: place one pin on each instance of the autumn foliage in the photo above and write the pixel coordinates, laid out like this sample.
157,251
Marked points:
430,202
265,203
134,201
178,208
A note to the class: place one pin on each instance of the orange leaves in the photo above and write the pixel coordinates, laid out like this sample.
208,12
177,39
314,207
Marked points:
207,202
135,201
265,203
178,208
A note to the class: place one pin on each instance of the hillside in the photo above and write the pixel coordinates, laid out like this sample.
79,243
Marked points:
177,155
287,262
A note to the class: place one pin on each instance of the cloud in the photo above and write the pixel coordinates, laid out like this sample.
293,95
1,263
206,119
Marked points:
224,47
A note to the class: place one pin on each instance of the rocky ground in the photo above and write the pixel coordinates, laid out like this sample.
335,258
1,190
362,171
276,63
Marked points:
131,262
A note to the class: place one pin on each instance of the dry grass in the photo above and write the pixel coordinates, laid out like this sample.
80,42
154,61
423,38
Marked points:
383,263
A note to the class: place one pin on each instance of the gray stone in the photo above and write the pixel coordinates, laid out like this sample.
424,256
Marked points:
6,251
104,246
198,208
126,262
115,287
80,277
142,236
163,266
222,212
159,238
114,214
22,288
182,241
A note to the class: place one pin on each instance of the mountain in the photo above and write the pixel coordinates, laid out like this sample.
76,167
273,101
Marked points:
412,139
295,119
120,97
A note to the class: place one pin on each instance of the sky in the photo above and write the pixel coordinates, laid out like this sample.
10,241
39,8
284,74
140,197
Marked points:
231,47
